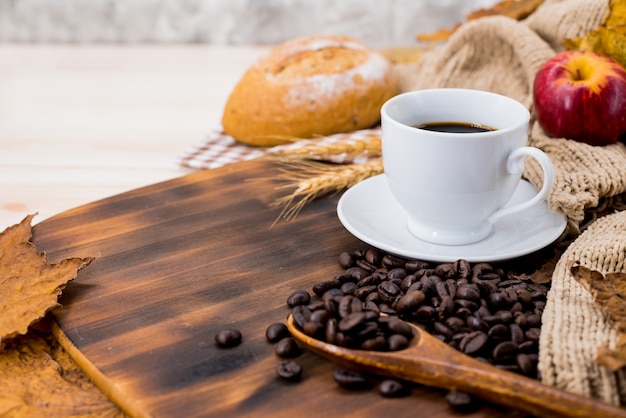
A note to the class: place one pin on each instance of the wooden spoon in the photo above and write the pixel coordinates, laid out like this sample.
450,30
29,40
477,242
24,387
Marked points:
431,362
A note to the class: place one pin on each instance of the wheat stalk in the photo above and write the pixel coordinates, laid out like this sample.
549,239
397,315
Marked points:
313,180
370,147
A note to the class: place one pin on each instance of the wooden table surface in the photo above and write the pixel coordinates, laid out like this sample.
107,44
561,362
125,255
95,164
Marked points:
80,123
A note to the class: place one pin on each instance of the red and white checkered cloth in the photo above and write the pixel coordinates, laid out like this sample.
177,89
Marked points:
219,149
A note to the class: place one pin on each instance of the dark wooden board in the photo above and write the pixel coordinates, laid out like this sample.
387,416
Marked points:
180,260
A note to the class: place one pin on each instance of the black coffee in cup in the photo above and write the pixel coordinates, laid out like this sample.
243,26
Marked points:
454,127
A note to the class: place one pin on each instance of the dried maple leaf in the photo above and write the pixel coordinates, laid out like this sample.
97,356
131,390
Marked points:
608,39
30,286
515,9
40,379
609,293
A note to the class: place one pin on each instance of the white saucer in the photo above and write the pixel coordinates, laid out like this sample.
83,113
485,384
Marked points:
369,212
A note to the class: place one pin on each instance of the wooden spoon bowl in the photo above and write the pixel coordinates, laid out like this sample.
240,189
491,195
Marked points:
431,362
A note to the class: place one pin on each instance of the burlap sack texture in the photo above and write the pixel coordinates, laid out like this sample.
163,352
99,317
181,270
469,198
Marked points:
502,55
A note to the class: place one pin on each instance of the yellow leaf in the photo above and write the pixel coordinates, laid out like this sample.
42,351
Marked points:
608,39
30,286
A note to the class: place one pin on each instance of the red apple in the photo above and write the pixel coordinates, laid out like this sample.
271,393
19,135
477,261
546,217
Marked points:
581,96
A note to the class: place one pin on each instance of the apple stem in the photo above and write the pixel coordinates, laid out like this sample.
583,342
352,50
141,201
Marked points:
579,76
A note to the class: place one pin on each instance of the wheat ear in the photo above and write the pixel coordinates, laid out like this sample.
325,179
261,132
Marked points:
315,179
370,147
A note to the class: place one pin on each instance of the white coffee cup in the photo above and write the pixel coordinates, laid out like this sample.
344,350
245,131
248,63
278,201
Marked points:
455,186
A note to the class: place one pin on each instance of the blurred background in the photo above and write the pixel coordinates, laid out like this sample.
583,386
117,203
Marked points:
378,23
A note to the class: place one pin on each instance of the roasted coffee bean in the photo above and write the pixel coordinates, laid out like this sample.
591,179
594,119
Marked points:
301,315
505,351
390,388
373,257
397,273
331,331
428,283
351,379
287,348
476,323
424,313
410,302
468,292
371,280
378,343
511,283
320,316
397,326
351,322
348,288
372,297
320,288
358,272
446,307
473,342
517,307
391,261
332,293
533,334
289,370
362,292
345,306
356,305
498,332
463,269
409,281
314,329
440,328
344,278
445,271
483,311
388,291
228,338
528,346
360,253
397,342
539,305
524,296
461,401
455,323
386,309
299,297
365,266
443,290
316,305
413,266
367,331
525,364
533,320
517,334
520,319
467,304
276,332
346,260
371,306
463,313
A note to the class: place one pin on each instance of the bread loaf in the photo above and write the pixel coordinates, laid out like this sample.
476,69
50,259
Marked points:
317,85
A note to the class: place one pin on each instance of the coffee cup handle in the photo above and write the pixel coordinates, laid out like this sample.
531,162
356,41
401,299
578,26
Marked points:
515,165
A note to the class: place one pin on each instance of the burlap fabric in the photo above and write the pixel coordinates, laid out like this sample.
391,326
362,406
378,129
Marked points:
502,55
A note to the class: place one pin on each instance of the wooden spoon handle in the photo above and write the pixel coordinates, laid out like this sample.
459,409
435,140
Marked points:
434,363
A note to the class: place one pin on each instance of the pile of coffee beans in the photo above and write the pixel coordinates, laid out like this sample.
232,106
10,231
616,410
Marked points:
479,309
342,320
